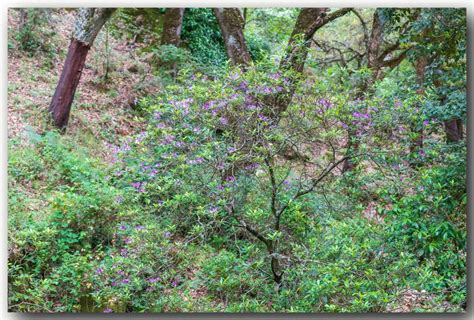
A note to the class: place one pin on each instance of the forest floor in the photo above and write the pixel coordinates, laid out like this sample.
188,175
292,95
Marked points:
103,107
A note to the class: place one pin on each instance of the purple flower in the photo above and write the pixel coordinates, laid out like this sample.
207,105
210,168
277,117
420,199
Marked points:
139,186
208,105
345,126
123,252
251,166
264,90
325,103
167,234
126,281
139,227
360,115
99,271
161,125
123,227
119,199
243,85
141,137
426,122
174,283
153,280
230,179
234,76
168,139
157,115
274,76
195,161
127,240
263,118
108,310
224,121
422,153
213,210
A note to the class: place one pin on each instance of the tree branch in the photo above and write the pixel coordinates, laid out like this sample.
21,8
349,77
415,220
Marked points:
334,15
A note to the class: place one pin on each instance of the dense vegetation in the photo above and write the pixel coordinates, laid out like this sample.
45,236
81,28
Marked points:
336,183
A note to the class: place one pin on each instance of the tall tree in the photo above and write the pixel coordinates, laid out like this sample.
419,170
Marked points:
378,58
87,25
231,23
309,21
172,23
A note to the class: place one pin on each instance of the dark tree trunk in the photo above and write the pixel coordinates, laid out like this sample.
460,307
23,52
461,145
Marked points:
351,147
453,132
309,21
460,128
172,24
231,24
63,96
88,23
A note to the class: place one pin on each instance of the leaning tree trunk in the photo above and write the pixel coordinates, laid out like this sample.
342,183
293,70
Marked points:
231,24
88,23
309,21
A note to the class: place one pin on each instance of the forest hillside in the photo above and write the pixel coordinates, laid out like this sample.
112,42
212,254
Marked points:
237,160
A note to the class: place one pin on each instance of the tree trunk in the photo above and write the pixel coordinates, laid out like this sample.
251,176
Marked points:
453,131
88,23
417,141
172,25
173,21
460,125
309,21
231,24
373,44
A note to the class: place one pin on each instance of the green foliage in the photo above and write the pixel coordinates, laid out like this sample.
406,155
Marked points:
201,35
34,34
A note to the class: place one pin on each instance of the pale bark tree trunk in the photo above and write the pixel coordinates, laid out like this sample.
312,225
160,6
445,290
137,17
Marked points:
231,24
88,23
